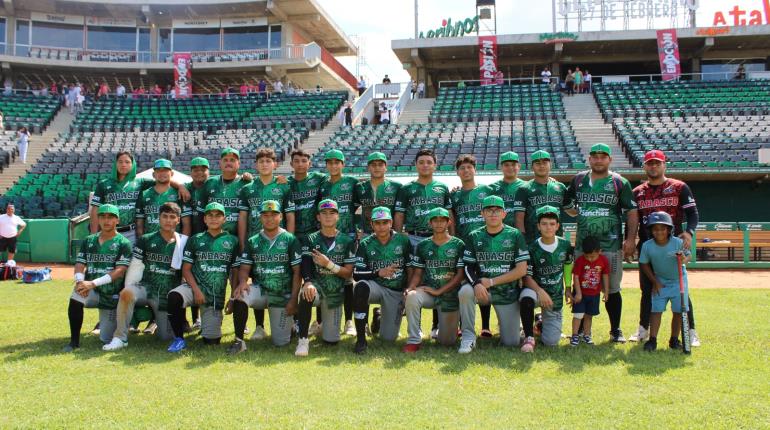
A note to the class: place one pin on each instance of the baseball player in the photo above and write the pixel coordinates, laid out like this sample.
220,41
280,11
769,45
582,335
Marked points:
265,187
99,269
540,191
508,187
598,198
328,256
150,200
438,263
151,275
495,259
199,171
377,190
209,259
271,258
380,273
225,188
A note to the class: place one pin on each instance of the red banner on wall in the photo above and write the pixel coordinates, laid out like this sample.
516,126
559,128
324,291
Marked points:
668,52
488,59
183,75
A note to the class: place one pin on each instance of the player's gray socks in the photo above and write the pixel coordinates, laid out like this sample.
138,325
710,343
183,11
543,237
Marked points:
75,314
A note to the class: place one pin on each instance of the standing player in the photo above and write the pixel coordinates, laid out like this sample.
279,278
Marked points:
150,200
199,171
344,191
376,191
271,258
225,188
209,259
466,206
150,276
548,256
263,188
328,256
540,191
674,197
495,259
437,262
380,273
99,270
598,198
508,187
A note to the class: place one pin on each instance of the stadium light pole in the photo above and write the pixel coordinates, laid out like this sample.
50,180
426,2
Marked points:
553,15
415,19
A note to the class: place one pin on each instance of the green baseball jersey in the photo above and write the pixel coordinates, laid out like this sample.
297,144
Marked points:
341,250
508,192
121,194
600,207
384,195
148,207
196,195
415,200
158,276
467,207
101,259
496,255
212,258
373,256
271,262
304,194
227,193
252,196
547,268
440,264
534,195
345,193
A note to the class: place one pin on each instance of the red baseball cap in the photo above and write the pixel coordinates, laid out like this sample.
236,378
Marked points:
655,154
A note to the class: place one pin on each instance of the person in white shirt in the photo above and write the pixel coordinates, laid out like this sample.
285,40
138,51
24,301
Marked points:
9,231
278,87
120,91
384,114
421,89
546,75
587,78
23,143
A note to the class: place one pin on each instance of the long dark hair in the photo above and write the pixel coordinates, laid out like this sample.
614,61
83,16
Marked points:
122,153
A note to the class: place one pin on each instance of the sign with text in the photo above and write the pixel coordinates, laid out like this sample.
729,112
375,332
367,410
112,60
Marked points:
183,75
488,59
668,52
243,22
110,22
196,23
57,18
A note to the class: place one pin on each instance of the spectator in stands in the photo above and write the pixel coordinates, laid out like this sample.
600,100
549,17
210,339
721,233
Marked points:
499,78
578,80
319,89
35,91
461,85
23,143
290,89
546,75
104,90
2,124
54,88
278,87
9,231
741,73
156,91
72,97
262,86
8,88
244,89
120,91
421,89
587,85
361,85
43,90
348,111
384,114
414,89
139,92
385,80
569,80
171,92
300,91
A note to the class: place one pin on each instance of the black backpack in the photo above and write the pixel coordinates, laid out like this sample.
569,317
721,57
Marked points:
9,273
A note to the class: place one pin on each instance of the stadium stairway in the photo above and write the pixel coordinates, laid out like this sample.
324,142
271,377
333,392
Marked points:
315,141
589,127
416,112
38,144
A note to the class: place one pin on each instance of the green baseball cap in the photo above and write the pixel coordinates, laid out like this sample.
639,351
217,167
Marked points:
108,209
214,206
161,163
546,210
381,213
376,156
335,154
328,204
199,161
509,156
230,151
540,155
438,212
493,201
601,147
270,206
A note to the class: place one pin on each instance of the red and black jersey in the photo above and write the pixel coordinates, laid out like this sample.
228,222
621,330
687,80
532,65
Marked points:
672,196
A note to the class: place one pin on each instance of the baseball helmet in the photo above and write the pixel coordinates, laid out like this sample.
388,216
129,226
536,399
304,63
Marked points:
660,217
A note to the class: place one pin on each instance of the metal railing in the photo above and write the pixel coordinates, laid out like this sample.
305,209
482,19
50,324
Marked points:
657,77
403,99
507,81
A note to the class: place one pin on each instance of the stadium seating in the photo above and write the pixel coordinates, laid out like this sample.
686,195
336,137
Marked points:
485,140
9,149
27,110
496,103
699,124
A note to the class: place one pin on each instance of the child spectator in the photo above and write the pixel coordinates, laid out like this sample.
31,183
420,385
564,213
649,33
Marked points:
591,275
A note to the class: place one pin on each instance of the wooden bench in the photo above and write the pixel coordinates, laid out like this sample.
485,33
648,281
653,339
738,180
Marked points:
732,240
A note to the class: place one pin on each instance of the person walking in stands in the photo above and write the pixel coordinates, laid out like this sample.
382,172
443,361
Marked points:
578,80
414,89
570,82
421,90
361,85
546,75
23,143
587,82
385,80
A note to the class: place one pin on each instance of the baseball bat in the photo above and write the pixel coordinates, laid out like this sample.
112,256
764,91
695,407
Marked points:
686,347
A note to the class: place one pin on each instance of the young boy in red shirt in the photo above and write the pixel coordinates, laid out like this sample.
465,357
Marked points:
591,275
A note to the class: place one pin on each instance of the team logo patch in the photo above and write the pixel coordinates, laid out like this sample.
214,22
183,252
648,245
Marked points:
373,253
438,190
542,260
451,253
282,245
562,256
311,182
227,245
398,249
610,186
430,253
507,242
345,187
114,247
154,245
389,189
276,192
482,195
669,190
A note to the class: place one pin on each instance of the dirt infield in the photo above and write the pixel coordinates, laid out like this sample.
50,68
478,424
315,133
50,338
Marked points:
698,278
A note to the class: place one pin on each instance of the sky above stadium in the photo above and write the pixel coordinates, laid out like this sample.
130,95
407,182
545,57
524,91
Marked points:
374,23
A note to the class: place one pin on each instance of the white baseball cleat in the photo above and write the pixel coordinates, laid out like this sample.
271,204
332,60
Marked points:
694,339
115,345
259,333
303,347
640,336
466,346
350,328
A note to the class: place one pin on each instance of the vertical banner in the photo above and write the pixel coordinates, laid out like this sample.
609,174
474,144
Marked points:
668,52
488,59
183,75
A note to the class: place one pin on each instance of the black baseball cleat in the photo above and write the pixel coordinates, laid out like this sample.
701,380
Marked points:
360,347
651,345
674,343
69,348
376,316
617,336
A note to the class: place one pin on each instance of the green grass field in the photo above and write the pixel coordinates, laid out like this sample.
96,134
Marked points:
724,384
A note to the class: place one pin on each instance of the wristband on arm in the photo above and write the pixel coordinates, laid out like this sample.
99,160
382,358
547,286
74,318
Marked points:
102,280
79,277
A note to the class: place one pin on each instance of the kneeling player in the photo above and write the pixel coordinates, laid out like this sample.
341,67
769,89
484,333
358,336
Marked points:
495,259
209,259
438,260
548,256
380,274
101,265
271,257
151,275
327,264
